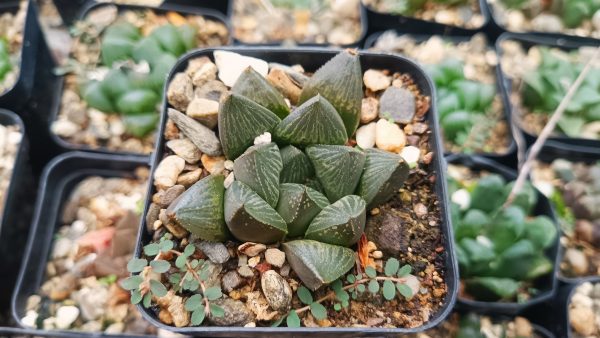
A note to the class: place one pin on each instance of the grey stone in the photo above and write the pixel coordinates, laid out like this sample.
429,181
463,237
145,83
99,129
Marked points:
246,271
236,313
397,103
385,230
277,291
205,139
230,281
165,197
213,274
216,251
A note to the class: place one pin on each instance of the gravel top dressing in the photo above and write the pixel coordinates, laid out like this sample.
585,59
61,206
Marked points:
89,255
338,247
11,41
584,310
335,22
475,326
116,70
471,111
461,13
10,139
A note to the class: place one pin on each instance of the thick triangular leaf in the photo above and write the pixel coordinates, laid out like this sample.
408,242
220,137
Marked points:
338,168
384,174
259,168
340,82
541,231
298,205
240,121
491,288
250,218
200,209
318,263
489,193
296,165
255,87
341,223
314,122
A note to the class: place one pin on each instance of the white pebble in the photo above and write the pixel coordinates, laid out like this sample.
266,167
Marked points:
30,318
231,65
65,316
462,198
228,180
365,136
411,155
263,138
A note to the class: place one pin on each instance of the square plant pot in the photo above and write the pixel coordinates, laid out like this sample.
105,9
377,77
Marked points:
563,301
311,60
382,21
508,156
16,209
238,41
58,82
547,284
528,41
58,181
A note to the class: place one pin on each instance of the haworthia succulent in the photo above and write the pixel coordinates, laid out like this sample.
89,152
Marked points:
200,209
318,263
240,121
340,82
169,39
338,168
341,223
255,87
259,168
296,165
298,205
250,218
383,175
314,122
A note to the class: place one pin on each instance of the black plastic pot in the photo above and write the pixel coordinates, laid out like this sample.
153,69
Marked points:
540,330
69,9
311,60
384,21
60,177
58,83
495,26
564,300
528,41
549,153
16,97
363,23
548,284
219,5
15,214
509,156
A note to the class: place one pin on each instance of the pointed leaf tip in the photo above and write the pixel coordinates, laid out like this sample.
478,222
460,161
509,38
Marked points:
298,205
341,223
259,168
383,176
256,88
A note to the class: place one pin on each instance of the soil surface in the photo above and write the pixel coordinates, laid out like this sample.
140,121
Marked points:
466,15
584,310
10,139
335,22
89,256
413,215
518,327
572,188
492,134
82,125
11,31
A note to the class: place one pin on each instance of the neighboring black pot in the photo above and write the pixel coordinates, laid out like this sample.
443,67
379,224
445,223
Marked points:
311,60
540,330
15,214
383,21
363,24
58,83
17,96
495,26
528,41
546,284
219,5
563,301
549,153
69,9
60,177
510,155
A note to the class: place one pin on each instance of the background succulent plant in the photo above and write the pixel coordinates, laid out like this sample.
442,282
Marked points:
305,184
125,90
571,12
5,64
500,250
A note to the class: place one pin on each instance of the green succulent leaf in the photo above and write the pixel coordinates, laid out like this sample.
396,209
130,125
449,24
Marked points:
492,288
259,168
489,193
314,122
115,48
160,69
292,319
200,209
188,34
298,205
240,121
137,101
151,249
383,175
341,223
169,39
318,263
405,270
338,168
250,218
318,311
370,272
296,165
146,49
115,83
340,82
147,300
255,87
123,30
472,224
142,124
541,231
136,265
216,310
96,98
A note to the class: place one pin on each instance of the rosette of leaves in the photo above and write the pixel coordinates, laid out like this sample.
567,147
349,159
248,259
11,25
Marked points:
500,249
306,186
461,103
544,88
133,94
571,12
